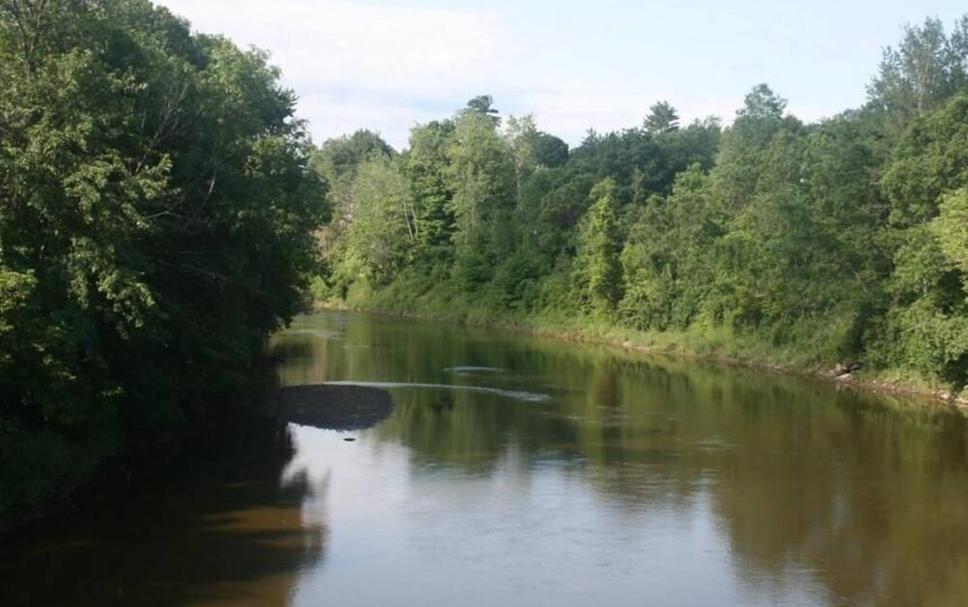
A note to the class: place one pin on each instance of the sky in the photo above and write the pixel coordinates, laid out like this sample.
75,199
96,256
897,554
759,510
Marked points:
388,65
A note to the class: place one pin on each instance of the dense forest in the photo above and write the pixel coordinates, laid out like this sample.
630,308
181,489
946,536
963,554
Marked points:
836,244
158,215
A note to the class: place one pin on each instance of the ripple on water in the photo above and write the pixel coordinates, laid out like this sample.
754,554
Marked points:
320,333
470,370
531,397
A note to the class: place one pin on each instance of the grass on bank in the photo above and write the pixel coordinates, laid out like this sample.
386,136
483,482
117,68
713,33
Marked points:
423,297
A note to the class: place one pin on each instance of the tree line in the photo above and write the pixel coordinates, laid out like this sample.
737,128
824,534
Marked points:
158,215
840,241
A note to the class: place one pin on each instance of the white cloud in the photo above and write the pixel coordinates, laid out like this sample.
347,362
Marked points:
356,65
388,67
351,45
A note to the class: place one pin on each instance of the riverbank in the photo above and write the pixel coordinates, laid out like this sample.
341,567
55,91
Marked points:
711,345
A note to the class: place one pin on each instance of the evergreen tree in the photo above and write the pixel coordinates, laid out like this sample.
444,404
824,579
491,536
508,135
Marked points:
662,118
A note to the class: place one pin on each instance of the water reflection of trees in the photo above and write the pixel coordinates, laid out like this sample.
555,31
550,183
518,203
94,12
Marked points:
867,497
223,532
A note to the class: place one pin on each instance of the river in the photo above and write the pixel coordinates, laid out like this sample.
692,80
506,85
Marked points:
517,470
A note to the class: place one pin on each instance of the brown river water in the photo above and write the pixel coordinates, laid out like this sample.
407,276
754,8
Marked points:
523,471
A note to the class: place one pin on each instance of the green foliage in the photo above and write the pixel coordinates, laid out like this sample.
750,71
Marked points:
927,320
666,256
483,106
384,227
951,228
923,72
157,219
598,269
482,174
930,159
746,145
425,165
662,118
339,158
515,283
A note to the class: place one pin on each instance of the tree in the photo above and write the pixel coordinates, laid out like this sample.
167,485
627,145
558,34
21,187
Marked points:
598,251
482,173
383,229
484,106
746,142
929,160
927,322
425,165
662,118
923,72
157,220
951,227
521,135
532,148
550,152
338,159
667,260
674,152
761,113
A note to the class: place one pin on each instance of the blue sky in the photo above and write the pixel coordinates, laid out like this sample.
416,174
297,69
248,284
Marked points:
574,65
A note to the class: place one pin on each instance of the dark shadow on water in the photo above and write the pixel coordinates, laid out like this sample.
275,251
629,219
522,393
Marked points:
223,531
